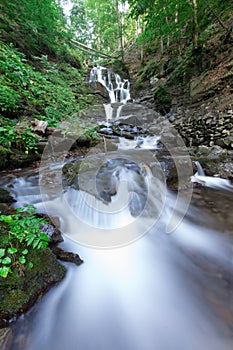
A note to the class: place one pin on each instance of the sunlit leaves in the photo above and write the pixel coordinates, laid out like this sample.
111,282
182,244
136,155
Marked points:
176,18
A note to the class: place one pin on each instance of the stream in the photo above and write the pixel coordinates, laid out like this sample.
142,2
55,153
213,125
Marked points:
157,270
161,291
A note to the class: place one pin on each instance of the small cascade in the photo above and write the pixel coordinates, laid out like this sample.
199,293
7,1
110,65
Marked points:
200,171
108,112
118,90
210,181
139,142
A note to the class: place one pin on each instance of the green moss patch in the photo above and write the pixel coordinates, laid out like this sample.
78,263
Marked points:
18,293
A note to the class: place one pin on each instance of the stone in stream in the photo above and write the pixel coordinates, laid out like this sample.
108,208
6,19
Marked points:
5,197
67,256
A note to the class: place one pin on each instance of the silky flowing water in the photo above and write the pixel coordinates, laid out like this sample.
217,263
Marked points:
142,286
162,291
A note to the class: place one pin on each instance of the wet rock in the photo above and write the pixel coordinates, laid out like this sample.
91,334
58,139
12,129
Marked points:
39,126
53,233
131,119
4,209
109,146
5,197
67,256
41,145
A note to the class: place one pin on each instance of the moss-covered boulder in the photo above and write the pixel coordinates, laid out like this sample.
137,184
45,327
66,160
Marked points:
19,291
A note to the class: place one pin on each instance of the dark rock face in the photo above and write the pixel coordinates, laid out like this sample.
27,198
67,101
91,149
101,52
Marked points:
199,127
5,197
67,256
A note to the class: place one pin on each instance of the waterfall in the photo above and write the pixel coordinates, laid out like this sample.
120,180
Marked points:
200,171
139,287
210,181
118,90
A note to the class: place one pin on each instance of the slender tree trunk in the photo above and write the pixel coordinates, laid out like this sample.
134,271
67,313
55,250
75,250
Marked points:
195,23
122,32
168,36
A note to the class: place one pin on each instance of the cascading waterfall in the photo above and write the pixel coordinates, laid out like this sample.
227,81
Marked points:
159,292
118,90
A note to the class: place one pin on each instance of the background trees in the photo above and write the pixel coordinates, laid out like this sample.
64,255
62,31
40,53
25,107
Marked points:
102,24
180,20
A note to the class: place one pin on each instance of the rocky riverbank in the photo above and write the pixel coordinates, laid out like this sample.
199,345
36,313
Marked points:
23,286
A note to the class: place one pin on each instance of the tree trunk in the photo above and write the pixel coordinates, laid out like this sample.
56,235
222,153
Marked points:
195,23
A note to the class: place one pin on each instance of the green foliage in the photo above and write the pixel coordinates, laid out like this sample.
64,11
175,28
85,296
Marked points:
51,93
22,139
173,20
9,99
92,134
162,99
103,24
151,69
33,26
24,231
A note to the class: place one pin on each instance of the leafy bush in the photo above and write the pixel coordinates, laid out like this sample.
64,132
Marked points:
23,231
20,138
9,99
53,92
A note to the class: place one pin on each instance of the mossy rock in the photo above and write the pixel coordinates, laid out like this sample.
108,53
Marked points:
5,196
19,293
11,158
70,171
5,154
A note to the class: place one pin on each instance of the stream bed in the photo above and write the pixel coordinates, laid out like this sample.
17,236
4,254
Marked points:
156,291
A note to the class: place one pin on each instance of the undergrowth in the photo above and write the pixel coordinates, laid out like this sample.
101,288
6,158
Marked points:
20,232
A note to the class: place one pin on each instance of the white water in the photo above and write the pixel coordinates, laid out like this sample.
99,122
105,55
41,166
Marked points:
118,90
211,181
147,295
155,291
148,142
159,292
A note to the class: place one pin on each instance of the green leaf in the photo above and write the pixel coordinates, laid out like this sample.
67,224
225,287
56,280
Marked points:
12,250
35,243
31,265
2,252
22,260
44,237
30,238
25,252
6,260
4,271
6,218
